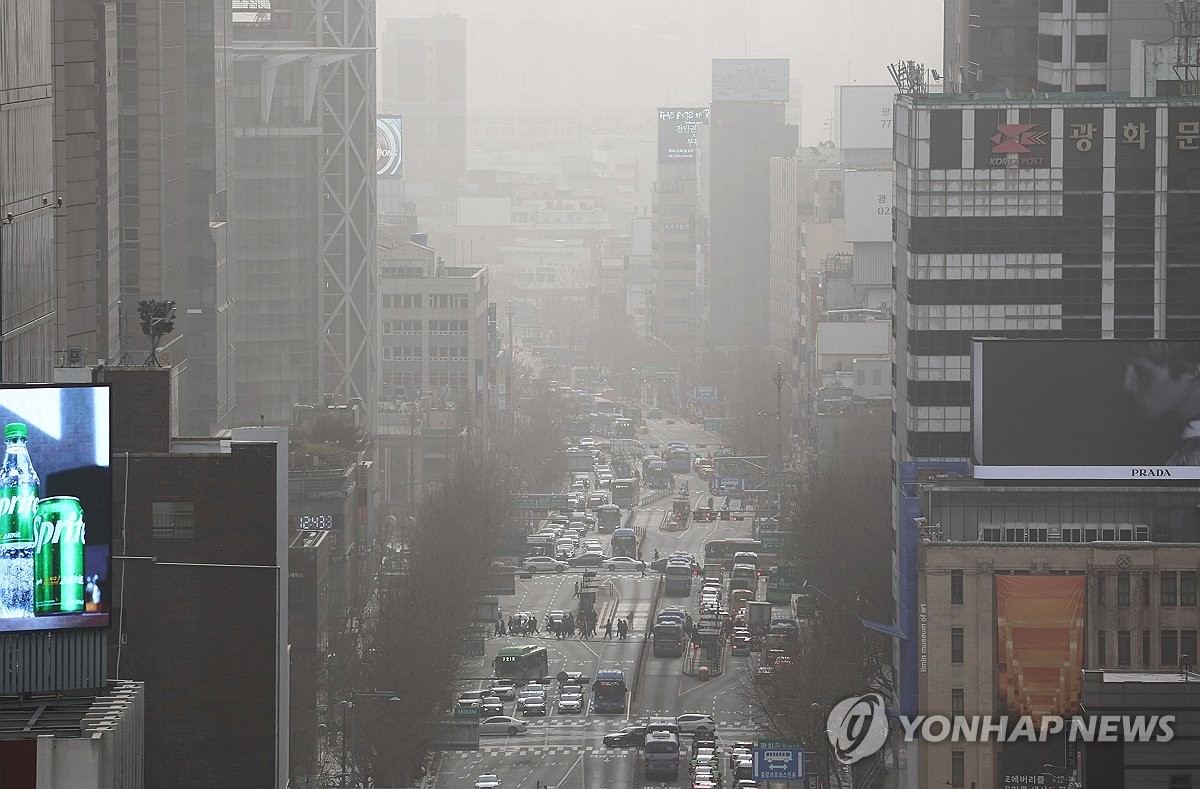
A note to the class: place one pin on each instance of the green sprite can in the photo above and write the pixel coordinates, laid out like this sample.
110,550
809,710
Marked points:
58,577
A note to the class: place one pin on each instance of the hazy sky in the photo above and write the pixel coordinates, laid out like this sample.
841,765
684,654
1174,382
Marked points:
648,53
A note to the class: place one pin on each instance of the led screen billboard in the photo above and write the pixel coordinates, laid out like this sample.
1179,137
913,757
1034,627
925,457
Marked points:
55,507
1085,409
678,132
389,148
750,80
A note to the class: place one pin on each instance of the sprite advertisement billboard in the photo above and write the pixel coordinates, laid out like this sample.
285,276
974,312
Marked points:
55,507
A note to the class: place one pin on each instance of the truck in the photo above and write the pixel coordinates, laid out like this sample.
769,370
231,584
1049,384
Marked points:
758,616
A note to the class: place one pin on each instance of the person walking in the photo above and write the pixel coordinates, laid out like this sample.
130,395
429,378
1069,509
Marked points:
496,628
608,629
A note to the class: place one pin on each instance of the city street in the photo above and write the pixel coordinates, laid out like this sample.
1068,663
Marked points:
565,750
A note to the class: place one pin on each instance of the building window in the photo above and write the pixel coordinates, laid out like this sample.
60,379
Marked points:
1101,656
1100,590
1050,48
956,587
1091,49
1168,648
958,768
1187,644
1187,588
1167,594
1145,649
1123,657
172,520
1179,782
956,645
957,702
1091,6
1123,590
1050,6
1145,588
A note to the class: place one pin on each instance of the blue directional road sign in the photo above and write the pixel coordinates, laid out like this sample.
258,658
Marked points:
724,486
704,394
778,764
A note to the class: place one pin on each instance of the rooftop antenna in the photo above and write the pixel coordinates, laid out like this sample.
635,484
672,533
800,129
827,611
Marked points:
1185,18
911,77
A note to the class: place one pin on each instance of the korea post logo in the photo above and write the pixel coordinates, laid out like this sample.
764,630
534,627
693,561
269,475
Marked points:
857,727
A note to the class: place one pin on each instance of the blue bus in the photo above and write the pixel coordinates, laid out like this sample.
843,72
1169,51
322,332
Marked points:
678,579
625,493
624,542
658,475
679,459
609,692
668,639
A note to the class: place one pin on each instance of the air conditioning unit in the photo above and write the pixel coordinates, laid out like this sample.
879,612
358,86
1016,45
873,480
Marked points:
74,356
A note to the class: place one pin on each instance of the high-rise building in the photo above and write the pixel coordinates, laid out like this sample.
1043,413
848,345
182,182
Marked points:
87,224
746,130
1067,216
304,211
423,79
1053,45
172,78
27,194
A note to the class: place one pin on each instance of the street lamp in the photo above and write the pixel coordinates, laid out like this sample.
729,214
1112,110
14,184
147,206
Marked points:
678,375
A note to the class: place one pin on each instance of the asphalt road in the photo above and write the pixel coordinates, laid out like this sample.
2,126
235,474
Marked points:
565,750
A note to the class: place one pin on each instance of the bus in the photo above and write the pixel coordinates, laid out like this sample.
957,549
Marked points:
668,639
679,459
625,493
678,579
658,475
624,542
608,518
609,692
521,664
661,755
622,428
722,551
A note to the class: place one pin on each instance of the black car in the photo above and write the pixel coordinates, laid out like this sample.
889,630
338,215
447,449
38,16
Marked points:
491,707
626,737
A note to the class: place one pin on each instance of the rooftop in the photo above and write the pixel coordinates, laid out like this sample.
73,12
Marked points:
1085,99
1153,677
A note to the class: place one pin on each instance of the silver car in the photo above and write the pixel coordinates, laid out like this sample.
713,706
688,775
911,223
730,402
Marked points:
503,725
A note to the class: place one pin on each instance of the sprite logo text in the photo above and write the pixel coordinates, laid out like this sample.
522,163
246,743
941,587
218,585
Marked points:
49,532
23,501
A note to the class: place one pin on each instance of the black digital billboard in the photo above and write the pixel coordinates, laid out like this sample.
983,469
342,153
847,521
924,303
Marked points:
55,507
389,146
1086,409
678,132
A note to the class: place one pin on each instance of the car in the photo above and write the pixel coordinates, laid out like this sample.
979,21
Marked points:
555,617
587,442
504,689
469,698
543,564
487,782
696,722
491,705
624,563
503,724
593,545
534,707
740,644
526,698
626,737
589,559
568,704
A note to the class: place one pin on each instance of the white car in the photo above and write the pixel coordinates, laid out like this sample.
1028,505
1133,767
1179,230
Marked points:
503,724
487,782
572,703
470,698
504,689
624,563
543,564
696,723
587,442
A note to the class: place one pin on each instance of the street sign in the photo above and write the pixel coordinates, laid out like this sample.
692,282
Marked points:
716,424
778,764
466,712
704,394
539,501
727,486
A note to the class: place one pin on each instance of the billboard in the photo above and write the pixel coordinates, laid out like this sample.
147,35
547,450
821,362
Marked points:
678,132
1086,409
868,206
55,507
389,148
750,80
864,116
1040,641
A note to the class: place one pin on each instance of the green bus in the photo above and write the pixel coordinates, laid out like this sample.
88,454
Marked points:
521,664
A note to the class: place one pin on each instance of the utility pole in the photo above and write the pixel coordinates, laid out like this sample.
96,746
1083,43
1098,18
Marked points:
777,379
510,399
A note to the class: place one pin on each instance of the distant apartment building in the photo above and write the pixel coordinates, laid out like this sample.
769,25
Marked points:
27,193
304,129
423,79
1052,45
87,227
1062,217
